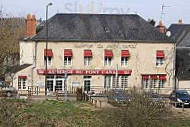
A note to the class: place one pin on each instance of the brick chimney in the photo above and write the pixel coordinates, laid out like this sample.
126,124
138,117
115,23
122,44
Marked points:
30,26
180,21
161,28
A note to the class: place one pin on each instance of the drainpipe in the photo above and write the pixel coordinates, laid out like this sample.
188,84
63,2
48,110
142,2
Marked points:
34,65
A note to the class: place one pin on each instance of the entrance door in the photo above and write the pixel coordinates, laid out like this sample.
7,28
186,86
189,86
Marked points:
59,85
87,83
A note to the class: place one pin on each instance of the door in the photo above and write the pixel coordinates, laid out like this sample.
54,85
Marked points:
87,83
59,85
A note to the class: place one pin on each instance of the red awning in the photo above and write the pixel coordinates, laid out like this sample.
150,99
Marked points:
87,53
154,77
108,53
145,77
48,52
162,77
68,53
125,53
22,77
160,54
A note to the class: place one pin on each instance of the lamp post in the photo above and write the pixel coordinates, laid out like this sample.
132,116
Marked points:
46,59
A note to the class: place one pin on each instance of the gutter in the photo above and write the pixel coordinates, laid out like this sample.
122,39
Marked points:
34,65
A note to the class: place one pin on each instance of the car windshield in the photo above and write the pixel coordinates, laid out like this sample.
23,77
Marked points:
183,95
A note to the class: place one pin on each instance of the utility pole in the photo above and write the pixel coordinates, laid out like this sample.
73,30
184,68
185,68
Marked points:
162,11
46,58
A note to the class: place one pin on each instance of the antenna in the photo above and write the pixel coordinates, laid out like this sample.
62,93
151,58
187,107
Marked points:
162,12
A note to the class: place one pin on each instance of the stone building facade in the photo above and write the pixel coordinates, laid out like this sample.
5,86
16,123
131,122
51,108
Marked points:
97,53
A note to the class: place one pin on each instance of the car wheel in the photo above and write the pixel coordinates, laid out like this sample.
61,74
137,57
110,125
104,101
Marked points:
9,94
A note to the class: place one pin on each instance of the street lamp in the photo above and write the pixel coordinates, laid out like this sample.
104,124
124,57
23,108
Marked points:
50,4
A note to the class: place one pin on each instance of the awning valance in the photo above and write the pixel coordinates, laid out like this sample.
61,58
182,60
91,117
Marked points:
87,53
108,53
48,53
22,77
160,54
162,77
68,53
125,53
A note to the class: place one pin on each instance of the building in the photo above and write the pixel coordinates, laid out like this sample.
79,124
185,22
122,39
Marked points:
180,34
97,52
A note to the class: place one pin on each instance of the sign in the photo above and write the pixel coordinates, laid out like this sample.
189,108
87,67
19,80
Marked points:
83,72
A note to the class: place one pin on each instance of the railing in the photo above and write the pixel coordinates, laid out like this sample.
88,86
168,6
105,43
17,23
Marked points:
33,90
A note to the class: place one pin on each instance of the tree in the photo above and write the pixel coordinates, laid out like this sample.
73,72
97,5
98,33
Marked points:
11,31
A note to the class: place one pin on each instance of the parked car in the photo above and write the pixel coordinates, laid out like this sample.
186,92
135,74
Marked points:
181,96
155,97
118,95
7,90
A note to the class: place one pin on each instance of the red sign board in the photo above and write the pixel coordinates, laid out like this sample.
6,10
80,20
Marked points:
83,72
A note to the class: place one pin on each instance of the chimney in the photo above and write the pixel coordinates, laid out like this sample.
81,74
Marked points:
30,26
161,28
180,21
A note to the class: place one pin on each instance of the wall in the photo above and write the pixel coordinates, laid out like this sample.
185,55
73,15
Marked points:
142,60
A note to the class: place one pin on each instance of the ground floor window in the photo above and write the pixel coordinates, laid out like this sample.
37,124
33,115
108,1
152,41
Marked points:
161,83
56,83
21,83
110,81
153,81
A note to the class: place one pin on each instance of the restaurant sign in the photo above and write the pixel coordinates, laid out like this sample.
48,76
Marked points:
82,72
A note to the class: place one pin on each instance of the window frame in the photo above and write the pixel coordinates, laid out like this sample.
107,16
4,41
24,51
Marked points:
108,61
124,61
22,84
66,58
87,61
49,62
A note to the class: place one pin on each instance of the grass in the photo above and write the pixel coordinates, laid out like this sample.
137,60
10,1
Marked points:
52,113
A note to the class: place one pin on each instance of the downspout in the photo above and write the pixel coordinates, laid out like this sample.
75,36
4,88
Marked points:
175,78
34,64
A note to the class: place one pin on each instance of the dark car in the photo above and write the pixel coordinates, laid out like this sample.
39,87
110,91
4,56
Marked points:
180,96
118,95
7,90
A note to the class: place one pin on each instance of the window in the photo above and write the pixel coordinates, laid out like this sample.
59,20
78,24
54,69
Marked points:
145,83
124,81
107,61
21,83
159,61
67,60
115,82
107,81
124,61
153,83
161,84
87,61
160,56
47,59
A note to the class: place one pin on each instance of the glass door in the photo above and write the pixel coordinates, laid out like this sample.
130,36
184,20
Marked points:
87,83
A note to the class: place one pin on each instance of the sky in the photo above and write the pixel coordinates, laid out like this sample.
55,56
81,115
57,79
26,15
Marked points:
148,9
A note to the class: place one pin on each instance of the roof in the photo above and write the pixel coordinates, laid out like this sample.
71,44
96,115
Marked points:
100,27
180,33
183,64
17,68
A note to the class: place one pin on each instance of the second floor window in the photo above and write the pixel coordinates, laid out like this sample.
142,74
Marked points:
48,60
124,57
68,56
107,61
87,57
108,55
159,61
124,61
160,57
67,60
48,54
87,61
